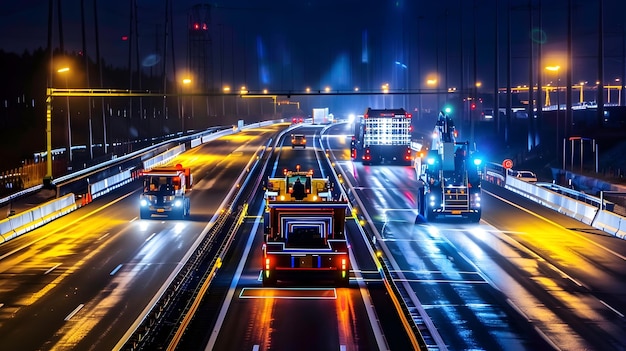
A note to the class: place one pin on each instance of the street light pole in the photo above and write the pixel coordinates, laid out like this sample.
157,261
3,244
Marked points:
69,125
558,107
186,82
48,178
385,88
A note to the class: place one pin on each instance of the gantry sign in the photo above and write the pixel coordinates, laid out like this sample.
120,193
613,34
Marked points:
85,92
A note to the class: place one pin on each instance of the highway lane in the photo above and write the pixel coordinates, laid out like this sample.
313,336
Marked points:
570,276
462,308
239,313
525,277
83,281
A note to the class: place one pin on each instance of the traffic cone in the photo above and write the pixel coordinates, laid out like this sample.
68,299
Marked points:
84,200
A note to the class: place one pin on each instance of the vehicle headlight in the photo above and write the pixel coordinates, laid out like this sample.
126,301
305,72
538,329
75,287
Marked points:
143,202
178,203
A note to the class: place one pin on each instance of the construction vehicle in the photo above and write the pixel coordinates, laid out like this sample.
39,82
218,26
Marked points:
451,174
165,192
304,231
382,136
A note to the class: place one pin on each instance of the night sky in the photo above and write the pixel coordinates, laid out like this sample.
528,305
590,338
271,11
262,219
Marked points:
289,45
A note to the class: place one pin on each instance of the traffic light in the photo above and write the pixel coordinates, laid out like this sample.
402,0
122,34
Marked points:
473,105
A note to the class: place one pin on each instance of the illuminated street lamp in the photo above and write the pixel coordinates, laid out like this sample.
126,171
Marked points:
64,71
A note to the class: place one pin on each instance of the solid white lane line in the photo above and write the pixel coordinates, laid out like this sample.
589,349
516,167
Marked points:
51,269
69,316
612,309
119,266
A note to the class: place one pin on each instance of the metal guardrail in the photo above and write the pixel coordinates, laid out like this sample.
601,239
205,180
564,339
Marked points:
26,221
588,209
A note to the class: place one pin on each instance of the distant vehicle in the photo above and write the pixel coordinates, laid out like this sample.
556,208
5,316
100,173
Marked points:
526,176
488,113
298,140
321,116
296,120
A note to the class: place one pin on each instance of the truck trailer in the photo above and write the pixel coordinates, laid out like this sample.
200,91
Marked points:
382,136
304,234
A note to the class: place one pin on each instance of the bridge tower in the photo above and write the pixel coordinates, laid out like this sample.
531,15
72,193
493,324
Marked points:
200,55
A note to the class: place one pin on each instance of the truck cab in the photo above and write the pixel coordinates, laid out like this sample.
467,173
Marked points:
165,192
